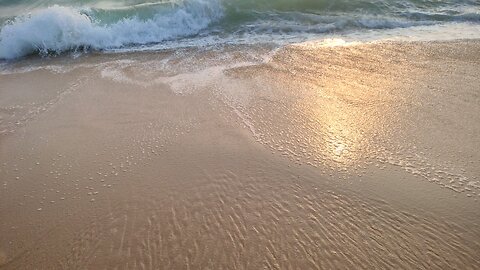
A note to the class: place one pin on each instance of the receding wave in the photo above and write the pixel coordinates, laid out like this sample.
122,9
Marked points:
55,26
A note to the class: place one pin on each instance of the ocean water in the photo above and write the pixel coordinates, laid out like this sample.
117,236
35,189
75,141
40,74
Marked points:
57,26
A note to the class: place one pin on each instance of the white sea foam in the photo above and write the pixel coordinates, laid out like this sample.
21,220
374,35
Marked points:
149,25
58,29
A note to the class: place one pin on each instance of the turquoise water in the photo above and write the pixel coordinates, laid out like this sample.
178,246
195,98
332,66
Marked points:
56,26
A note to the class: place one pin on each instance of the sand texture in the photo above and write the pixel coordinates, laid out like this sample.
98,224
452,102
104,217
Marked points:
309,156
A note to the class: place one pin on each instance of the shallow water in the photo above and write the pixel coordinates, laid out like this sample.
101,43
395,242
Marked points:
314,155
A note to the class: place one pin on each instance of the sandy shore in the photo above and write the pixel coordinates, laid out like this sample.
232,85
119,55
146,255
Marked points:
305,157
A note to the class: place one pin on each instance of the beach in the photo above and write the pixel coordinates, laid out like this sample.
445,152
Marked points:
312,155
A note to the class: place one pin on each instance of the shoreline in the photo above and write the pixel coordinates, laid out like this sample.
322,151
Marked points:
334,157
327,41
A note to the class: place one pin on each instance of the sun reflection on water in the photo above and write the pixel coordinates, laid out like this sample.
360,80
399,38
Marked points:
323,113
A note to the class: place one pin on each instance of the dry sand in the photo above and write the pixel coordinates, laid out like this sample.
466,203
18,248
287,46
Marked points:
306,157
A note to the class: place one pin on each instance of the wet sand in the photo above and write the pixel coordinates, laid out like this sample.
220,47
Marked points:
304,157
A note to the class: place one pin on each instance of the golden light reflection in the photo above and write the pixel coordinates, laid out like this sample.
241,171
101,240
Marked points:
329,42
349,111
327,109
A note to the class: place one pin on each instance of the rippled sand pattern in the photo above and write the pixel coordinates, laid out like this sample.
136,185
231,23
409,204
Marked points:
244,158
250,222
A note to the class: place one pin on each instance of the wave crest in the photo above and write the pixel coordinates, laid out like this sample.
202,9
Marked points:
58,29
131,24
